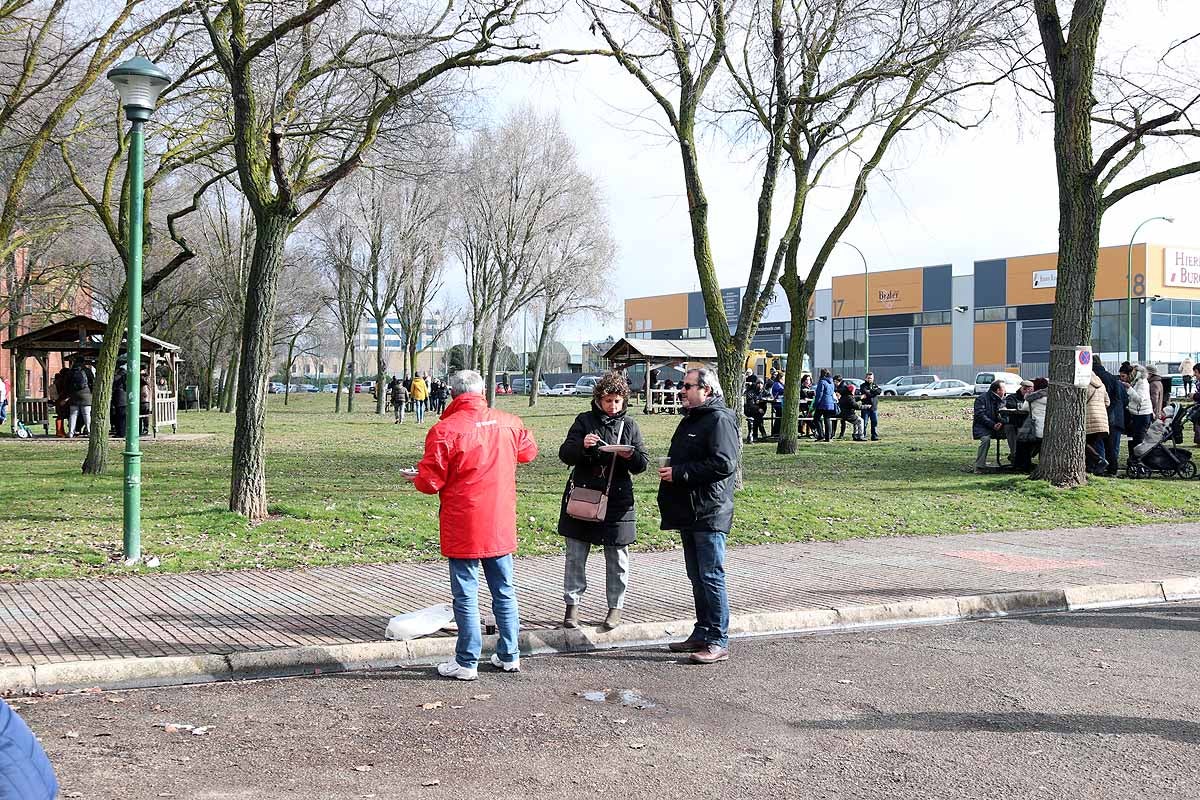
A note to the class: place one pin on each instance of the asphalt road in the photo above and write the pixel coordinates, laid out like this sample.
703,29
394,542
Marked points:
1088,705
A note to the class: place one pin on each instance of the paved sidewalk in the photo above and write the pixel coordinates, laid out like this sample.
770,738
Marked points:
61,621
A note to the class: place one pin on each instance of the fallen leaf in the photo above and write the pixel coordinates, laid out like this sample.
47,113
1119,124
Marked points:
72,734
116,699
636,745
201,731
481,697
431,706
434,782
362,768
843,680
458,706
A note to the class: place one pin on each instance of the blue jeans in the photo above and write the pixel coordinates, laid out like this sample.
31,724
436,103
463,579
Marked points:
869,415
704,558
1113,451
3,412
419,409
464,586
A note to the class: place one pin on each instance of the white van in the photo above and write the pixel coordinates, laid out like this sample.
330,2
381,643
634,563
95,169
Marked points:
1011,381
585,384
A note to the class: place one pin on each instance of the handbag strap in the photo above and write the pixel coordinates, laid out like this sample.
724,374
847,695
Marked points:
613,468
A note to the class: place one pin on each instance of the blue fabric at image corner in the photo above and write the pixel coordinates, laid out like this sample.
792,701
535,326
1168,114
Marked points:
25,771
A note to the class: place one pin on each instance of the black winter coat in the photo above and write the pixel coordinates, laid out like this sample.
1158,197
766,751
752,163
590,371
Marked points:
704,457
591,468
987,414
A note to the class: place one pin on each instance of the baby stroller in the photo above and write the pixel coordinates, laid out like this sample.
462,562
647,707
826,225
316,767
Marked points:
1157,452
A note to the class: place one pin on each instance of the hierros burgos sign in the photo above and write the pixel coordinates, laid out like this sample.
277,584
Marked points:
1181,268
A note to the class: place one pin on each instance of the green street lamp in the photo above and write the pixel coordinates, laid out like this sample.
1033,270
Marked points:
1129,287
139,83
866,310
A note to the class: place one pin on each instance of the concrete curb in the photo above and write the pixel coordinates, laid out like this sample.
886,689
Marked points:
123,673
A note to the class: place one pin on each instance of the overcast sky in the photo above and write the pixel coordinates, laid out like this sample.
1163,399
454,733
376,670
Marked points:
947,198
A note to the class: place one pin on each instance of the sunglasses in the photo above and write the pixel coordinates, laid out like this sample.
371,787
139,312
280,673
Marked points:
689,386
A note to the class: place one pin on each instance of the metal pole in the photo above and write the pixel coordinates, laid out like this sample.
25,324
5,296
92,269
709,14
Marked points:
1129,287
132,517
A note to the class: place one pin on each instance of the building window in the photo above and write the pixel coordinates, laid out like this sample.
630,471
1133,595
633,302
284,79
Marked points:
990,314
1109,327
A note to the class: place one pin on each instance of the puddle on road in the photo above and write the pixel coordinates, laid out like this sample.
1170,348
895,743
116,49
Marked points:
626,697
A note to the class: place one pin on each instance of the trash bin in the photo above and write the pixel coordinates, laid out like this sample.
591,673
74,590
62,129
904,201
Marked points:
191,397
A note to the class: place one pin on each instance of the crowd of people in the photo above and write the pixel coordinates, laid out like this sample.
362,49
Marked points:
419,394
1116,406
831,404
470,460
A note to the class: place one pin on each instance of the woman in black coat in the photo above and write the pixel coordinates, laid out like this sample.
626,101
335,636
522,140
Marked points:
605,424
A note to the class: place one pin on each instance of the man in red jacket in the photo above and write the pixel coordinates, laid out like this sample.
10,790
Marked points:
470,462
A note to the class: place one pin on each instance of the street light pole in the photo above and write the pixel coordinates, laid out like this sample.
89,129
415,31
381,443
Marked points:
1129,287
139,83
866,310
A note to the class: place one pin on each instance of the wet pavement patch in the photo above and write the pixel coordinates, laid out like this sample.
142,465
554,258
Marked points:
626,697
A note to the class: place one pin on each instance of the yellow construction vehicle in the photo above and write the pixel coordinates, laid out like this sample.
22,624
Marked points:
764,362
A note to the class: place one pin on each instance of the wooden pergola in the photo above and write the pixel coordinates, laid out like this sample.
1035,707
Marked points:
80,337
655,353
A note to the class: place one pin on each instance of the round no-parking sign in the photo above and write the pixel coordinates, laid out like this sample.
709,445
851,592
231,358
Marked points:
1083,367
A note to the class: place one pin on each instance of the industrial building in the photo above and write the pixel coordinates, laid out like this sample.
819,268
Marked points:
995,316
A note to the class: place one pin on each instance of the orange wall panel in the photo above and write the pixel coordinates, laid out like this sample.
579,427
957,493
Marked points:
991,343
664,311
1111,273
936,347
896,291
1019,281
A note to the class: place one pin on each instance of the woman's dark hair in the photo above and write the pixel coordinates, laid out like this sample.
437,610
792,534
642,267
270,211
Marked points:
1040,383
824,372
611,383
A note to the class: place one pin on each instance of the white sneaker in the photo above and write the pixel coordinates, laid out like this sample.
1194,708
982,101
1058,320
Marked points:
452,669
507,666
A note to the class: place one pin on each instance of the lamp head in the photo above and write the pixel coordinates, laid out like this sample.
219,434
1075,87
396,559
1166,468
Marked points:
139,83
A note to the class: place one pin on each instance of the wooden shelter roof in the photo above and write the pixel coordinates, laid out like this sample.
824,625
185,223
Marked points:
79,334
662,351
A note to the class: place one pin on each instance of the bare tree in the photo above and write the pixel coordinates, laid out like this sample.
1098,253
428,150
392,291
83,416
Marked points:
314,86
345,292
298,314
576,274
1122,114
834,85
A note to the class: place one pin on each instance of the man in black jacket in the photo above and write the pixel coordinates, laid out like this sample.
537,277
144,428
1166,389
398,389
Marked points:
1118,399
696,499
868,394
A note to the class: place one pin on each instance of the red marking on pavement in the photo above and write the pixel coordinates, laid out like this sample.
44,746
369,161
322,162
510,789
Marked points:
1010,562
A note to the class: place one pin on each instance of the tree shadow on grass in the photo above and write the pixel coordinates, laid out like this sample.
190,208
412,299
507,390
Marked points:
1183,731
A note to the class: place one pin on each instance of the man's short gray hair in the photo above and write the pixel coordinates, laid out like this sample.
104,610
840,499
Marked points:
466,381
707,378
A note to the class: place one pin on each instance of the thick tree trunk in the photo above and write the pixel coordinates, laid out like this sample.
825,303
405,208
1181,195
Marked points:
536,375
106,368
337,395
789,426
231,378
380,365
1063,461
248,491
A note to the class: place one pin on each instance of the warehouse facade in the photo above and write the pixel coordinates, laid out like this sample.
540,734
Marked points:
996,316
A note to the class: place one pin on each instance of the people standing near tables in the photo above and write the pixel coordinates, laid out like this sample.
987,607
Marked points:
1118,399
756,410
399,398
1138,406
79,385
848,408
824,406
1013,401
868,395
1186,370
60,395
1035,404
119,410
1096,426
594,470
695,498
1154,380
777,389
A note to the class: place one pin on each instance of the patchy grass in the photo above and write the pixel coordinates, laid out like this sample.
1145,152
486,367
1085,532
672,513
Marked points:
336,497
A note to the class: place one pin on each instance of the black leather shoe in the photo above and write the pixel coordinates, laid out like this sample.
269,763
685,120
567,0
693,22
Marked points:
687,646
710,654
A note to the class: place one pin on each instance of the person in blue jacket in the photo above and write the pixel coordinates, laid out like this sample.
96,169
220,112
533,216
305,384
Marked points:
25,771
824,407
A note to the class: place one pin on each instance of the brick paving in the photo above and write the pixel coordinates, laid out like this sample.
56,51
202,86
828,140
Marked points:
161,615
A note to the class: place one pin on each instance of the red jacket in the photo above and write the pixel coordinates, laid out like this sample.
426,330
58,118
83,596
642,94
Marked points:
470,462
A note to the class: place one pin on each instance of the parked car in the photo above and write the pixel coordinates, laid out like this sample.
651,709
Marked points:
903,384
561,390
308,387
855,382
586,384
951,387
331,388
274,387
502,389
521,386
1011,381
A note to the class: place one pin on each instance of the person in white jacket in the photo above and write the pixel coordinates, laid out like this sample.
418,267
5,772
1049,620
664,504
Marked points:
1139,406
